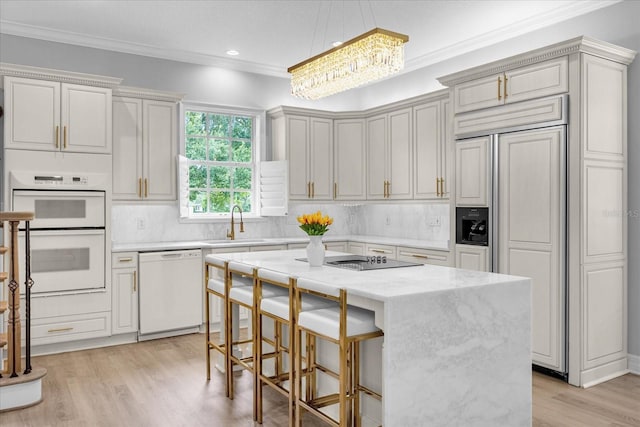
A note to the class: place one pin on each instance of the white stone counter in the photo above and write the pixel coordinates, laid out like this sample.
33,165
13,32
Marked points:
456,347
223,243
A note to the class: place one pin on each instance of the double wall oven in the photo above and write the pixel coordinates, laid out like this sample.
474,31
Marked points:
68,240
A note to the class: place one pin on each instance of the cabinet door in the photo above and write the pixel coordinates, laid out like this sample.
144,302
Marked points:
538,80
424,256
159,149
427,136
399,155
375,249
444,148
472,160
32,114
86,119
355,248
530,231
472,257
124,300
376,157
297,129
321,159
480,93
127,148
349,160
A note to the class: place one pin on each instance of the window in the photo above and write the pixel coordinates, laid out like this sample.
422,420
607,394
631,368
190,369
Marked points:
221,151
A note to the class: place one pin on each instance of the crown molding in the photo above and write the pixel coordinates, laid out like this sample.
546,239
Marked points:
28,72
68,37
579,44
156,95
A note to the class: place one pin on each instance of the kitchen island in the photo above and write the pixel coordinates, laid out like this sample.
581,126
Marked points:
456,348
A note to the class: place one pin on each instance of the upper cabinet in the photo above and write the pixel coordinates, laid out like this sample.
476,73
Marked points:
145,146
389,155
520,84
307,143
431,140
349,159
52,116
472,169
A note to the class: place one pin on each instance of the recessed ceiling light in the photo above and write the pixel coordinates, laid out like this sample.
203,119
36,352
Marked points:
336,43
233,52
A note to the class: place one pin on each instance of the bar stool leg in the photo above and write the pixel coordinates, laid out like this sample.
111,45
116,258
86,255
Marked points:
355,392
208,321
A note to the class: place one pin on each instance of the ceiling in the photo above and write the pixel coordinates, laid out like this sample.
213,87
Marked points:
270,36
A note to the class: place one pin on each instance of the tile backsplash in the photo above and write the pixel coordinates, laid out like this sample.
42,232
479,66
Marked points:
160,223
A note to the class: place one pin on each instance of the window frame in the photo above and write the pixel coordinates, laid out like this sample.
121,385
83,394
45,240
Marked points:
258,154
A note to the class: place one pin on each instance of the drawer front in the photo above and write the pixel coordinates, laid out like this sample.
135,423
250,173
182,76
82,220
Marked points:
425,256
124,260
380,250
297,245
269,248
70,328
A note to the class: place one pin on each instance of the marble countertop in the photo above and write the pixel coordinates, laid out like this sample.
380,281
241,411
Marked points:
204,244
381,285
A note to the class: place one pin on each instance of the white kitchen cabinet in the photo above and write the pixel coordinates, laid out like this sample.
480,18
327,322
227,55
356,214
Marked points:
472,168
124,285
349,159
424,256
431,134
336,246
144,149
519,84
53,116
355,248
374,249
307,144
389,156
472,257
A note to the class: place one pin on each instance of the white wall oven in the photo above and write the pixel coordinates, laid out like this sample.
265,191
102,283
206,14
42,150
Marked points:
68,233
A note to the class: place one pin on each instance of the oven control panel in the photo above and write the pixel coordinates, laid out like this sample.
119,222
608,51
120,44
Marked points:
60,180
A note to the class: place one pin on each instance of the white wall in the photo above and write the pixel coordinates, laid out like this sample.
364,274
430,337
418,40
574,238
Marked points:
616,24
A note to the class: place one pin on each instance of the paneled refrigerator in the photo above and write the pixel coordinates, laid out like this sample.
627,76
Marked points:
526,196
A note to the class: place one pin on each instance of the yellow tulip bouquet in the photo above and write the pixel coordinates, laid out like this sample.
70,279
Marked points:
315,224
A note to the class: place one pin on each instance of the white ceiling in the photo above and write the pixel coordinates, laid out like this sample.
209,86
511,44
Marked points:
273,35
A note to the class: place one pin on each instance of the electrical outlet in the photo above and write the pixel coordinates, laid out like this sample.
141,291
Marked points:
434,221
140,223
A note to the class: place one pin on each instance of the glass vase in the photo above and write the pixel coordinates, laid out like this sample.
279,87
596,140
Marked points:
315,251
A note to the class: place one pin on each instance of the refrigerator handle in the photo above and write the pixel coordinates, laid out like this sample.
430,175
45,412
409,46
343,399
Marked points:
495,201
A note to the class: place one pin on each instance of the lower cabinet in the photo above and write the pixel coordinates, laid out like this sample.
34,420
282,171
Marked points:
374,249
424,256
472,257
355,248
124,296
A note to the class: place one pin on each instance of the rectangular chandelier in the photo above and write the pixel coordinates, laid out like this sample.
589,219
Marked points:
370,56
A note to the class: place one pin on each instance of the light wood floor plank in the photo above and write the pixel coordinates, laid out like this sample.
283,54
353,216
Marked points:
162,383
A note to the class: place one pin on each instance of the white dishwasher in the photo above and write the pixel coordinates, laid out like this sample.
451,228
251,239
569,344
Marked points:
170,290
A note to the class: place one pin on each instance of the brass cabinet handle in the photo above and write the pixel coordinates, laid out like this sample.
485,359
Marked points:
64,132
499,84
313,189
129,259
378,251
438,187
309,189
441,187
146,187
505,88
57,136
388,189
140,187
335,190
135,281
60,330
419,256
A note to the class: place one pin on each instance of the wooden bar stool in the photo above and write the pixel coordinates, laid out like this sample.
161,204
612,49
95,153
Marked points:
340,324
247,297
216,282
281,310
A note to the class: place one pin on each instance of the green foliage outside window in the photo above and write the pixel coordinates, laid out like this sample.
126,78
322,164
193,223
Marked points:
220,152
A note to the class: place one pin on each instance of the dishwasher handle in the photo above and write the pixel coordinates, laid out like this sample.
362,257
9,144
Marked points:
171,255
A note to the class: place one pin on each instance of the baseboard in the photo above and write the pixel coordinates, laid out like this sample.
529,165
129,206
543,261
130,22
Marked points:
634,364
63,347
606,372
156,335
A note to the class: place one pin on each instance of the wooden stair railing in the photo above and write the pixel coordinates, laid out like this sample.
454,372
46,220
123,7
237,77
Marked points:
12,304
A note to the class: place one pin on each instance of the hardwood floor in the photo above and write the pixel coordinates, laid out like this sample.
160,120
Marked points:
162,383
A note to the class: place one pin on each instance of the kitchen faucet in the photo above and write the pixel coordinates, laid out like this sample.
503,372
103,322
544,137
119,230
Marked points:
232,234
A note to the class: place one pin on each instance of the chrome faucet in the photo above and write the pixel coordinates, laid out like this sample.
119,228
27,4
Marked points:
232,234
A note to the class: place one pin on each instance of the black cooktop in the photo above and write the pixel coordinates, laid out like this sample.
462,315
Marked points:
364,262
